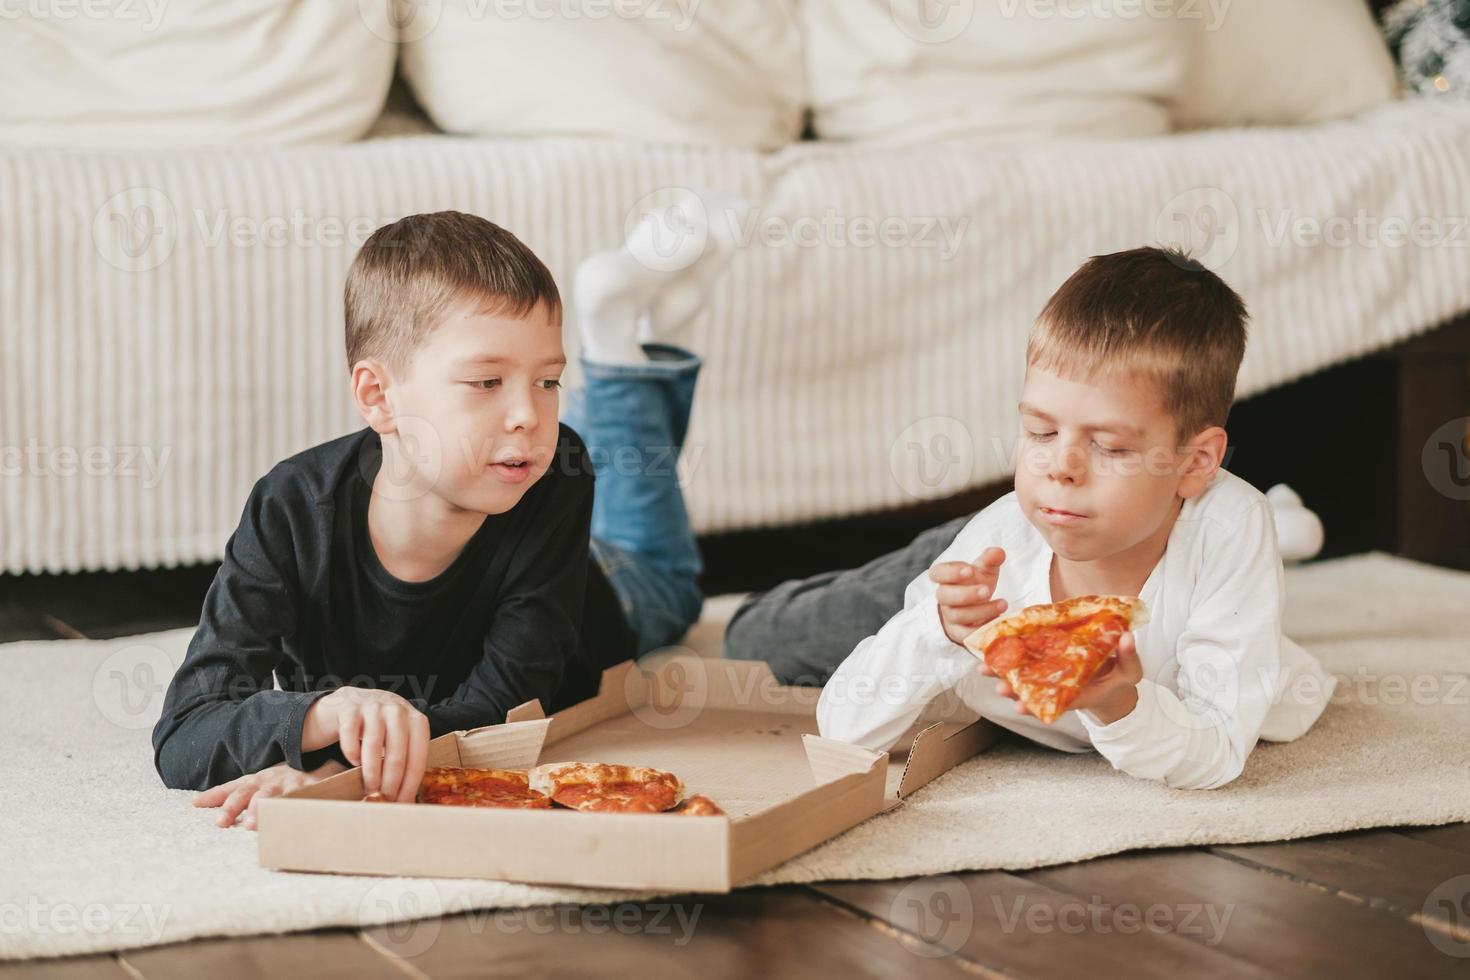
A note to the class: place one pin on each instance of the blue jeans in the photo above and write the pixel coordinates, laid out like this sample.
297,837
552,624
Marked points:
633,418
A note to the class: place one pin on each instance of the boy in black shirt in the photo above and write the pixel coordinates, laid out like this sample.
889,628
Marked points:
449,562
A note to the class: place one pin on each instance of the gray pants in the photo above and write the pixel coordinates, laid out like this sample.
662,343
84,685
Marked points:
804,628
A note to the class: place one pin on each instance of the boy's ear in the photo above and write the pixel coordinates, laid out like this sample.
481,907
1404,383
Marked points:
370,382
1203,456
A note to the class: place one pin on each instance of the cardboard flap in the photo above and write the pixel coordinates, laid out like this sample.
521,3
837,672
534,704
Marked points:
831,760
529,711
941,747
514,745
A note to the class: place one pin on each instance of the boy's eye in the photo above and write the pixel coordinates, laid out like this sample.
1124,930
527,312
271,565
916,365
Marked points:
485,384
551,384
1109,450
1040,436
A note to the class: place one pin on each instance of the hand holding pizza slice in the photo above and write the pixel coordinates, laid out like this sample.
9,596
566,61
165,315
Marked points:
1051,657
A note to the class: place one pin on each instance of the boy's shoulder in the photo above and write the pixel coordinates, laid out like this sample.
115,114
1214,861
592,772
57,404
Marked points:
314,473
1225,500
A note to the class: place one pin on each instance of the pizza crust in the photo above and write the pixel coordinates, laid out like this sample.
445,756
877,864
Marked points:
584,781
698,806
1133,610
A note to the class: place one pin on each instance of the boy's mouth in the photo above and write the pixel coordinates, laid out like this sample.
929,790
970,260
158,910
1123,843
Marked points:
512,468
1054,516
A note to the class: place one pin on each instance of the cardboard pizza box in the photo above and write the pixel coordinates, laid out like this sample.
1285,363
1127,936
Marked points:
724,727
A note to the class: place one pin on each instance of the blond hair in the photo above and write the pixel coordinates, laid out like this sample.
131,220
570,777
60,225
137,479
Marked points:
1155,312
408,274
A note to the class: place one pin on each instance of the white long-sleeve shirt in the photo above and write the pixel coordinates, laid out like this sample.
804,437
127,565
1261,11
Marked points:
1218,672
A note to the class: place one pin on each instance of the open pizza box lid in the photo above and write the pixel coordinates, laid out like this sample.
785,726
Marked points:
725,727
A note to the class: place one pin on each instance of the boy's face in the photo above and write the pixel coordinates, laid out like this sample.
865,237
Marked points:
481,397
1097,470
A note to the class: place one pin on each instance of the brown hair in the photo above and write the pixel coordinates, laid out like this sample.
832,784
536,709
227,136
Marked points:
409,273
1156,311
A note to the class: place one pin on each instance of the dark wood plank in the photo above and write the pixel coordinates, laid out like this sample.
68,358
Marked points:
766,932
21,617
104,605
1274,922
1379,868
1020,926
105,967
331,953
1433,512
1452,836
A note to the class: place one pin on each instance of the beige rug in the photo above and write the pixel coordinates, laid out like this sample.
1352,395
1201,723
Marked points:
96,855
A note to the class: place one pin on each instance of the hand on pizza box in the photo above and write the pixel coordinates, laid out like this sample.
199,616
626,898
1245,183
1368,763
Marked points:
964,593
239,796
1117,675
377,730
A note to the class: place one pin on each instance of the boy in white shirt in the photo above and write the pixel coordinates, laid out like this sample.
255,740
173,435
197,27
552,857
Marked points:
1130,376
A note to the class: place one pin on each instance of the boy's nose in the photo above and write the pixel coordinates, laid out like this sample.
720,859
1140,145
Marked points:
521,414
1069,463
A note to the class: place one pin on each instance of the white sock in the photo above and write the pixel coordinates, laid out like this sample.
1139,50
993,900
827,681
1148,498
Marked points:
687,294
613,288
657,281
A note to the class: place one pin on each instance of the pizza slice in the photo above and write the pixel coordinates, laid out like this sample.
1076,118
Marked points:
698,806
455,786
1046,653
599,787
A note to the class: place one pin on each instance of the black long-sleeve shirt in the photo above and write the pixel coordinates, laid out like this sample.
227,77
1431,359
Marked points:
301,597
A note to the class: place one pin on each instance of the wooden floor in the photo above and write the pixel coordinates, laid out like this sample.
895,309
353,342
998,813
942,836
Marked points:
1369,904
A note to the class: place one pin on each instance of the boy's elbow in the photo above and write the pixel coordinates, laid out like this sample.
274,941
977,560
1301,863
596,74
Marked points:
173,762
1212,777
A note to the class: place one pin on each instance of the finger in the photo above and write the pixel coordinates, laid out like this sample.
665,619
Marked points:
395,753
349,733
372,750
251,814
216,795
1004,689
961,595
990,561
1127,647
984,668
951,572
975,615
1130,665
234,803
418,758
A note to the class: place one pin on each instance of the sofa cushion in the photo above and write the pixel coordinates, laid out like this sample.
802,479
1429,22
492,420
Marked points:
672,71
910,70
171,72
1275,62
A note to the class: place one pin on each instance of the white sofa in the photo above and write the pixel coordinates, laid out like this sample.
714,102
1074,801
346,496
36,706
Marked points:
171,316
